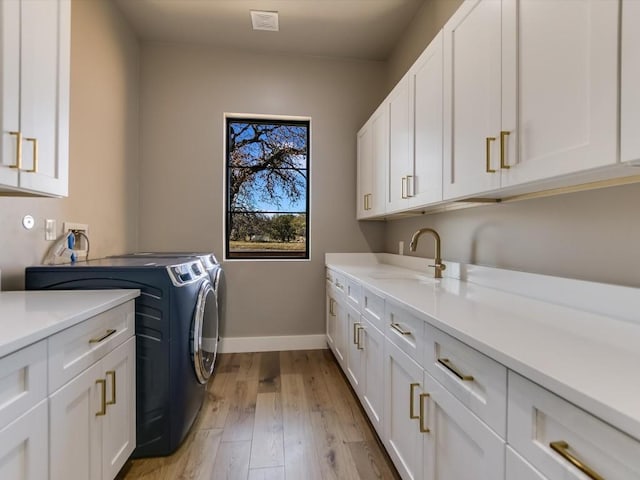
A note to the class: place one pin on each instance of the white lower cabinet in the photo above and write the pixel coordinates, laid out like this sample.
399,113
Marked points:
92,419
457,444
355,358
23,446
403,386
564,442
519,469
372,385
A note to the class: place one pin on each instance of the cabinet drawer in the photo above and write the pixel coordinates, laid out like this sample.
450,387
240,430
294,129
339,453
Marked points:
336,281
353,292
540,420
76,348
479,382
373,308
23,381
405,331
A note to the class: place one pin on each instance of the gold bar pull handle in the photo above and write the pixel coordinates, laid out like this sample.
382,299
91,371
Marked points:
112,374
360,328
369,196
404,187
34,168
410,186
106,335
503,135
103,397
453,369
489,140
411,402
423,427
331,312
561,448
18,163
398,328
355,333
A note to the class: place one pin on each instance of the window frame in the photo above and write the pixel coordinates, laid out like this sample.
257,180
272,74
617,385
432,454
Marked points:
282,255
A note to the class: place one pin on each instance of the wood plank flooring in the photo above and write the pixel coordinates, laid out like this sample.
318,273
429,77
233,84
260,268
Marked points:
275,416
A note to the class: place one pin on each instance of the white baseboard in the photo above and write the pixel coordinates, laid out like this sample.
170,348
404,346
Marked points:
272,344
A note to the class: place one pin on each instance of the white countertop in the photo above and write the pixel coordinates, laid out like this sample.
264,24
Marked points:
590,359
29,316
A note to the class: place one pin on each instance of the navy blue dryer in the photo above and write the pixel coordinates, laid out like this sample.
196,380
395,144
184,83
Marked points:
176,322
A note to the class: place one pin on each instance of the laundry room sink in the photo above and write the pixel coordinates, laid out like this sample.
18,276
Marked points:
399,275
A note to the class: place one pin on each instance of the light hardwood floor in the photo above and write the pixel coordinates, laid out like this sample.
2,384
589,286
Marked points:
272,416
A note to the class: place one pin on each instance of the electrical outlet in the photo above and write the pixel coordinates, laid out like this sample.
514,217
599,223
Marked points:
82,243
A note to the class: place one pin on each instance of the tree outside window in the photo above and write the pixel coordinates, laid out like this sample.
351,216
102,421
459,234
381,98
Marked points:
267,188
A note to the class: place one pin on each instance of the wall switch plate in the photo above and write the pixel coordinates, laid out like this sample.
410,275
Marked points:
50,229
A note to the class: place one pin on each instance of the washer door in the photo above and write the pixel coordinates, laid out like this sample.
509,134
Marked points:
205,333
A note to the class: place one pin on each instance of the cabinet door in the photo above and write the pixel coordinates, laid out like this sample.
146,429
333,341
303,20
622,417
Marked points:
400,146
426,84
9,91
355,359
44,95
559,87
630,81
331,320
119,424
340,335
373,154
365,170
75,429
372,342
403,385
23,446
519,469
472,64
458,446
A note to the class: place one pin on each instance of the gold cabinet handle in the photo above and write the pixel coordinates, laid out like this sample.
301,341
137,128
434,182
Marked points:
503,135
398,328
360,328
423,427
410,184
103,396
331,312
404,187
561,448
364,201
106,335
355,333
453,369
369,196
34,169
112,374
489,140
18,163
412,415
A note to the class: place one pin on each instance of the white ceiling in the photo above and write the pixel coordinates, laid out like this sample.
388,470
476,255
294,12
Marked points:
365,29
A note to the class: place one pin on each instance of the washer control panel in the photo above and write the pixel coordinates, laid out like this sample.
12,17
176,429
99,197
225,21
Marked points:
186,273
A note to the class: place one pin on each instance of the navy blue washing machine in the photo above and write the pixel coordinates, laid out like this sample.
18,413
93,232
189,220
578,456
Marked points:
211,265
176,319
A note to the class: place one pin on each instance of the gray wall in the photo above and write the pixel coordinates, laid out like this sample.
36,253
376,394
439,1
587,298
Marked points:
184,93
103,148
589,235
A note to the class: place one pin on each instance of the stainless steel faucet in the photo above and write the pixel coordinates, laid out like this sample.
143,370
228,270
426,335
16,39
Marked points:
439,266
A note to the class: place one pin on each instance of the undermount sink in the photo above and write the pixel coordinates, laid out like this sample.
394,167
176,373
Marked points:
404,276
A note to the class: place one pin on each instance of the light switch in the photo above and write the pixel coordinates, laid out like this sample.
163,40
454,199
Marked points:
50,229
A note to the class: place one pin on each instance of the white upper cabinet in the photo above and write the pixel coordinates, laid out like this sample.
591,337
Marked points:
472,99
530,92
630,94
373,154
35,56
559,87
426,85
400,146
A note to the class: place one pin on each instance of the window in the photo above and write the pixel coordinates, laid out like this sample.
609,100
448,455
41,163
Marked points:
267,168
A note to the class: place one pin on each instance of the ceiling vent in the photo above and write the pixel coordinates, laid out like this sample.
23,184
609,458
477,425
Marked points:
264,20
